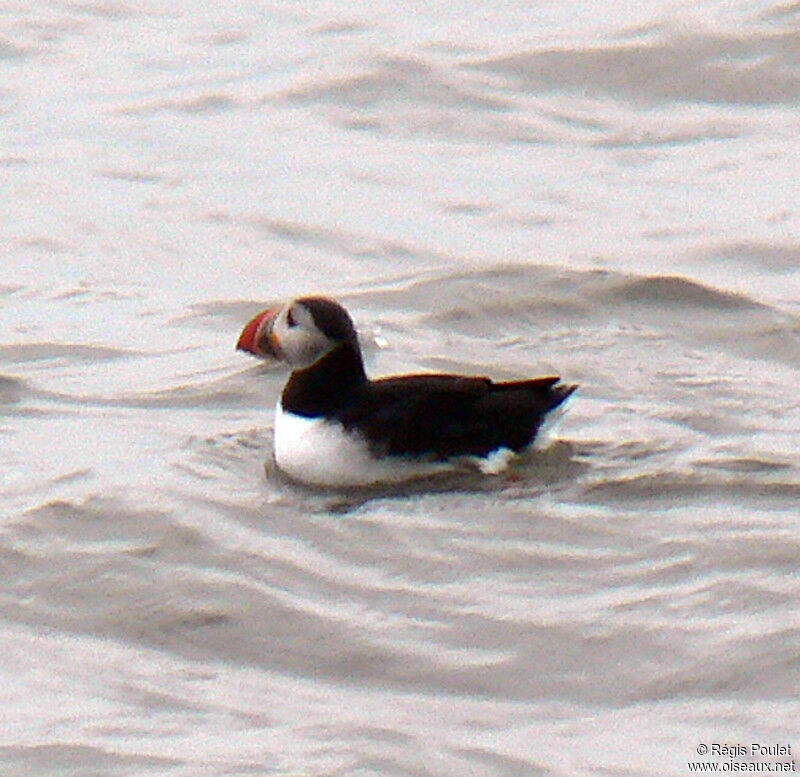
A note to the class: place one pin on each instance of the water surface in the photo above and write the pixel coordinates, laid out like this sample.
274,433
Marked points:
607,194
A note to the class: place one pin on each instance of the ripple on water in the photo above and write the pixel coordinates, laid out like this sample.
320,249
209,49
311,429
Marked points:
674,488
675,290
80,759
74,352
11,389
756,68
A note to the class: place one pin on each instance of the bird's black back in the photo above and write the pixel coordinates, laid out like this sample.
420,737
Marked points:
441,416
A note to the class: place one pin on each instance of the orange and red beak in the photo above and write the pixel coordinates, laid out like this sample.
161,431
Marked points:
258,338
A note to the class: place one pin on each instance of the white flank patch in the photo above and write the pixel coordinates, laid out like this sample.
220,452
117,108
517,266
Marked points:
321,453
496,461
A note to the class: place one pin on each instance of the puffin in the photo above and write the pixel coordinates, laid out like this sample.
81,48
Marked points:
337,428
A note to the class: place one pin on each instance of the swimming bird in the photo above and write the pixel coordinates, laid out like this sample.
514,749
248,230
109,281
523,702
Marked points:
334,427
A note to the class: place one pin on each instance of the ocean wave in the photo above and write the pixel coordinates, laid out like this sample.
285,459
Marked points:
509,290
412,96
674,487
760,257
233,389
398,81
196,105
70,352
11,389
77,758
671,290
755,68
12,51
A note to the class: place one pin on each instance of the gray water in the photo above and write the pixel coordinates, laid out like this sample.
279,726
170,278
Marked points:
512,189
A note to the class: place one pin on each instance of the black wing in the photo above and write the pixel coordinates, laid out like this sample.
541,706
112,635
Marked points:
440,416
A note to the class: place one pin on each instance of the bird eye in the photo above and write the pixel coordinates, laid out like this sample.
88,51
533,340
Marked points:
290,318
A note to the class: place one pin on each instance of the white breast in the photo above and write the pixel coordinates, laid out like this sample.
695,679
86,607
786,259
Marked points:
322,453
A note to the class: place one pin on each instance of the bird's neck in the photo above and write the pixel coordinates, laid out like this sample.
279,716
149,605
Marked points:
326,385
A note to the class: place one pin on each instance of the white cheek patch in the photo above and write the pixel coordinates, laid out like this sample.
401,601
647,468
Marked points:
301,345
